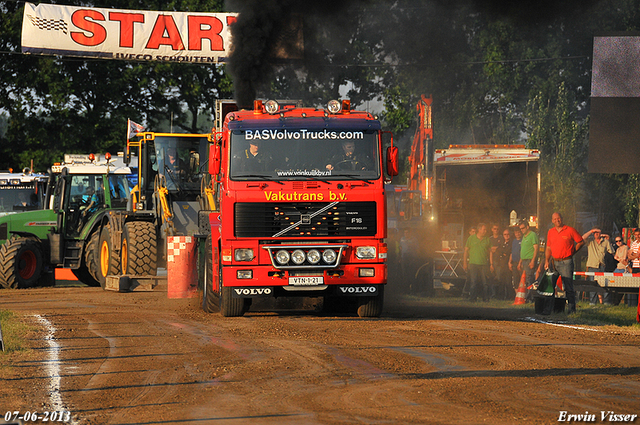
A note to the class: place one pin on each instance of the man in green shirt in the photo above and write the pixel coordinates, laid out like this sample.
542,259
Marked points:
476,263
528,252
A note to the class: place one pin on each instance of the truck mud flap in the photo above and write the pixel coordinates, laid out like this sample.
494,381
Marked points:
357,290
252,292
306,291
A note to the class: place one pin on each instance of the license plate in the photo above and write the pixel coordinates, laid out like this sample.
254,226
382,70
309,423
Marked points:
306,280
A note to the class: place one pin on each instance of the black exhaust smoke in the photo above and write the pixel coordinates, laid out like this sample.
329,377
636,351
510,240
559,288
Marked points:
261,38
409,30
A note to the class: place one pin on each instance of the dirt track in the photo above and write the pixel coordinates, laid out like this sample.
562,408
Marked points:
115,358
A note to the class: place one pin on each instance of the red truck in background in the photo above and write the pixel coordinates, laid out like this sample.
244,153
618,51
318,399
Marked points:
299,207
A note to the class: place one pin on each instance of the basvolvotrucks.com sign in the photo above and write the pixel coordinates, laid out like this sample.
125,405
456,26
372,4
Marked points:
126,34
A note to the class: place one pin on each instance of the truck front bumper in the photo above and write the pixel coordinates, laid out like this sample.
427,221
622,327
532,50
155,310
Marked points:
346,280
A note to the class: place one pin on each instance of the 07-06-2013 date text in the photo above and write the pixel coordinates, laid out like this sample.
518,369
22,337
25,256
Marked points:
55,416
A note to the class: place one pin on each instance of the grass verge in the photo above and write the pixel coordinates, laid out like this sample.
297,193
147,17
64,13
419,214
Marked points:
603,315
620,316
14,332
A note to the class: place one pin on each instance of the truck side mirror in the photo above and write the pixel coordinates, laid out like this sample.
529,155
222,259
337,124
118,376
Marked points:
214,158
392,161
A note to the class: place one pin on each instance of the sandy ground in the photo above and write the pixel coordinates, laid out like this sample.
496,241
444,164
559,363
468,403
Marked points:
114,358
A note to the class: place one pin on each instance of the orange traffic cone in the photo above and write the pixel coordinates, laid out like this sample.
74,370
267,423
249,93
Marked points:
520,293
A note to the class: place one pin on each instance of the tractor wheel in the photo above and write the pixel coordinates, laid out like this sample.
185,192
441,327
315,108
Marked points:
108,258
371,306
139,249
83,273
91,256
84,276
21,263
210,300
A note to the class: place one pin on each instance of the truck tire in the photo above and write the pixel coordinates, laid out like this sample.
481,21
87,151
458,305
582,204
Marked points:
210,301
91,256
21,263
107,257
371,306
139,249
230,306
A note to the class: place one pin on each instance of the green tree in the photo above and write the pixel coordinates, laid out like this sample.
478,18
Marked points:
555,130
62,105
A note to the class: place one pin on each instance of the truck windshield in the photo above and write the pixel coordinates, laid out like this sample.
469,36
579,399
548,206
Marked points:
292,154
18,198
179,159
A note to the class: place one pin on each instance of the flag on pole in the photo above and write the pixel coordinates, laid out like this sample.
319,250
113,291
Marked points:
133,129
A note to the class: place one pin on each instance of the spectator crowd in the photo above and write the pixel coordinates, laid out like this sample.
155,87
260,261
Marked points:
497,260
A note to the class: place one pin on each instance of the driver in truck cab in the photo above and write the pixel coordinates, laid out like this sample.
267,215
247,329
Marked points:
254,158
349,159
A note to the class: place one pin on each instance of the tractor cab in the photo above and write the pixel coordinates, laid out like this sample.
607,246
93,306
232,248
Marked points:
87,185
170,180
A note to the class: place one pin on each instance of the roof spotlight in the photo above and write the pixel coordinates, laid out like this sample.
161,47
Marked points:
334,106
271,106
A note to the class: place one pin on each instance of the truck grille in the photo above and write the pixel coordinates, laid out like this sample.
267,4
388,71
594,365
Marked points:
268,219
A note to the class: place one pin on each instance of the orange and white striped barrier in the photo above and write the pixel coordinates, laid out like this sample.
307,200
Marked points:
182,273
607,274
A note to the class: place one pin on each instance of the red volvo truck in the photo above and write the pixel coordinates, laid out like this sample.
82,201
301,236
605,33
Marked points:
299,207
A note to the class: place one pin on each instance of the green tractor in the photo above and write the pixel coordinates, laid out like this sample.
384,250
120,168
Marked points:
81,194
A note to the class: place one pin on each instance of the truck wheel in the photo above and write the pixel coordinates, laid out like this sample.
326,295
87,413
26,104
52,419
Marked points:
108,258
210,301
371,306
139,249
21,263
230,306
91,256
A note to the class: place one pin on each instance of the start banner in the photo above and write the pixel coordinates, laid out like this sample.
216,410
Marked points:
52,29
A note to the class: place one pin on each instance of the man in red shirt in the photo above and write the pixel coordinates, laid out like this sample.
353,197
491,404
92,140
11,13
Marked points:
562,243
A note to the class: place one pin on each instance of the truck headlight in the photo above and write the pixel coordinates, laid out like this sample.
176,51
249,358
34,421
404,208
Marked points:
313,256
366,252
243,254
298,256
282,257
329,256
